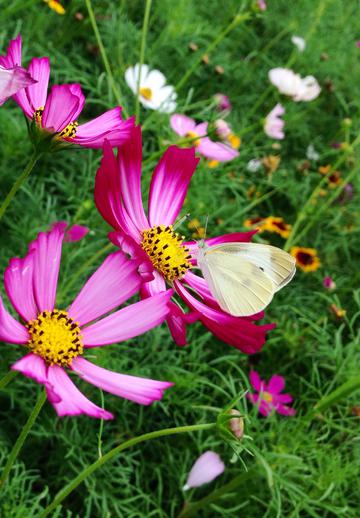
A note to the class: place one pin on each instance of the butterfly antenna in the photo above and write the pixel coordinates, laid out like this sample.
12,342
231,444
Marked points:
206,225
181,220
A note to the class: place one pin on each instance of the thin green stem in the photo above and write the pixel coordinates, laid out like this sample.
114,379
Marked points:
142,55
112,453
304,211
104,57
238,18
7,378
23,435
19,182
192,508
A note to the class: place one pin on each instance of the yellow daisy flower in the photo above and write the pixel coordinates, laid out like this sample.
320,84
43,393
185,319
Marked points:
306,258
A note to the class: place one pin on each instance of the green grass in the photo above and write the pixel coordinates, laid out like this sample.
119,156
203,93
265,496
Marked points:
299,468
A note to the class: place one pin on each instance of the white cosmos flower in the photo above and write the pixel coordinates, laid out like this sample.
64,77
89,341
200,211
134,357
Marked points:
153,93
293,85
311,153
299,42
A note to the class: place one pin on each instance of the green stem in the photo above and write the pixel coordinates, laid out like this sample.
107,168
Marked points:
22,437
192,508
104,57
344,390
7,378
304,211
142,55
21,179
234,23
112,453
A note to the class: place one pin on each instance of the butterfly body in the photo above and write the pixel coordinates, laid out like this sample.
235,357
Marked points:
243,277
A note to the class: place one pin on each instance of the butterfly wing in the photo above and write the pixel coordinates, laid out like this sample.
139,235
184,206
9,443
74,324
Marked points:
240,287
277,264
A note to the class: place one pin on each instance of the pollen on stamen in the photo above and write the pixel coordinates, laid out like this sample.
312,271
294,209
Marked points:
55,337
166,251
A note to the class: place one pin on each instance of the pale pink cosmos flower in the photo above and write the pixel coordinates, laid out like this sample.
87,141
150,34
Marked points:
274,125
12,80
293,85
58,112
186,127
262,5
269,397
55,340
205,469
150,237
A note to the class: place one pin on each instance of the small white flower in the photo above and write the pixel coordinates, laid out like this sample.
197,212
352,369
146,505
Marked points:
311,153
293,85
299,42
205,469
151,88
254,165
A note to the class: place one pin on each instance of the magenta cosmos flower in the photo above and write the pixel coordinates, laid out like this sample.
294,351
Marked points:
268,398
56,339
58,112
221,151
166,258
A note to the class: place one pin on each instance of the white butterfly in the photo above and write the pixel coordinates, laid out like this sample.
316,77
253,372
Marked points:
243,277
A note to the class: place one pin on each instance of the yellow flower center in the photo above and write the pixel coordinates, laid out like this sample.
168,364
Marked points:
55,337
267,397
234,141
146,93
166,251
68,132
193,135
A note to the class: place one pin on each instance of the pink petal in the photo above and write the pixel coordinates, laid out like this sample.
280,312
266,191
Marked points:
39,68
47,255
285,410
177,321
70,400
13,54
156,285
216,150
32,366
238,332
206,468
129,170
108,195
12,80
169,184
263,407
10,329
113,283
75,89
276,384
76,233
182,124
128,322
130,247
61,108
109,126
140,390
18,280
256,381
283,398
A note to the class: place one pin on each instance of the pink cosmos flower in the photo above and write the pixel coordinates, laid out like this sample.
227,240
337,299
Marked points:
262,5
223,102
205,469
165,257
55,340
274,125
12,80
269,397
73,233
186,127
58,112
